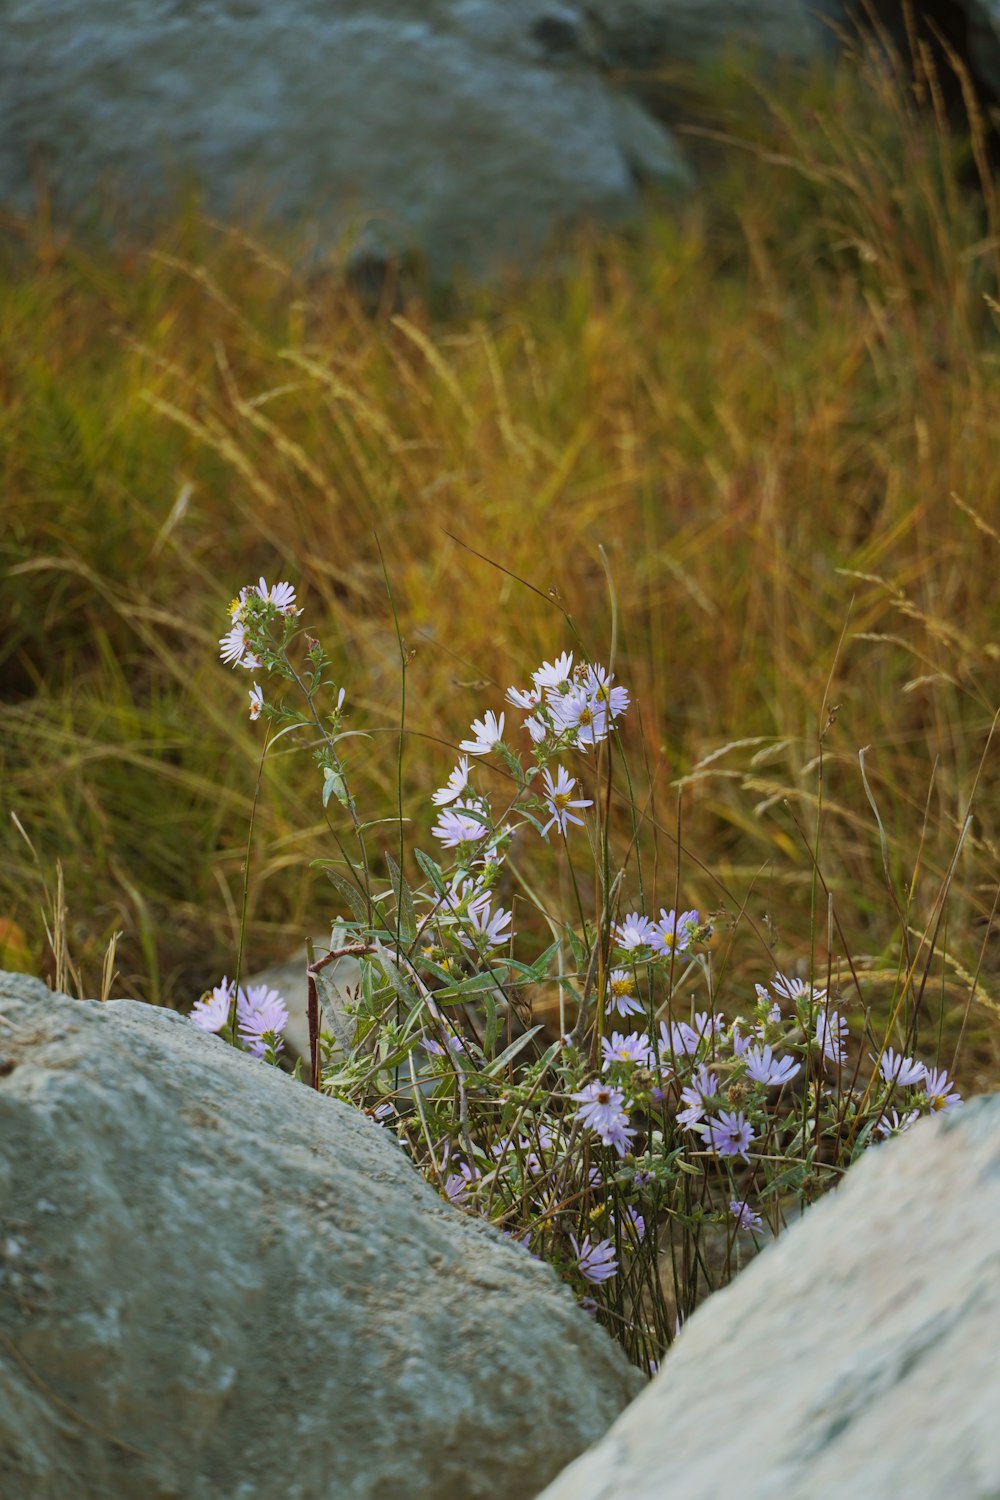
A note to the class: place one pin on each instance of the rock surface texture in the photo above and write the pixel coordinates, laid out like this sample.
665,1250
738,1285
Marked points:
858,1356
215,1285
466,130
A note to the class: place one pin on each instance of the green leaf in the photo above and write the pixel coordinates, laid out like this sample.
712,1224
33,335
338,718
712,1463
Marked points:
432,870
335,1009
405,909
335,785
351,895
401,987
509,1053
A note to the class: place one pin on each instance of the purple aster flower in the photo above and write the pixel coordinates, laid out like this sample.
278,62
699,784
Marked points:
621,993
703,1086
211,1012
559,801
597,681
461,824
579,713
600,1105
261,1018
455,1044
633,1048
673,931
902,1071
831,1031
728,1134
633,1224
940,1091
456,1186
892,1123
590,1306
597,1262
679,1041
764,1067
744,1215
634,931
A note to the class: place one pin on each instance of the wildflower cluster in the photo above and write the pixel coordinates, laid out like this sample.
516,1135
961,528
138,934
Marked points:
654,1120
260,1012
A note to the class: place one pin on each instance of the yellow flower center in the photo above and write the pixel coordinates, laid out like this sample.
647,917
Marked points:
623,986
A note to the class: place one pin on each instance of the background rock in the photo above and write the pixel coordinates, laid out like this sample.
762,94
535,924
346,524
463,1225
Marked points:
466,130
857,1356
216,1284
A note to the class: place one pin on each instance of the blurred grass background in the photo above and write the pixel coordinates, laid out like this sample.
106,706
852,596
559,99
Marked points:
775,409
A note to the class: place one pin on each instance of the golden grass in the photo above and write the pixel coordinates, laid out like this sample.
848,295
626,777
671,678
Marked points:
775,411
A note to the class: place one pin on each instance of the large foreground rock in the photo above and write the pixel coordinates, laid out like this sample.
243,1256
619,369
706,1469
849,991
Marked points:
215,1285
467,130
860,1356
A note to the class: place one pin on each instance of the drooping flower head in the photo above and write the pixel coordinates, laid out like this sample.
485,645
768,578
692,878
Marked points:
457,782
488,733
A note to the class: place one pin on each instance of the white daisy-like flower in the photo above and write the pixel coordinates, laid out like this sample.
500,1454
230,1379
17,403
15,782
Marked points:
457,782
621,993
795,989
488,733
489,928
553,674
281,595
256,701
559,802
523,697
537,728
633,931
831,1033
893,1123
233,644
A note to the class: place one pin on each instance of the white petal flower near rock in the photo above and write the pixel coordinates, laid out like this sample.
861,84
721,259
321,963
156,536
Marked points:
219,1285
858,1356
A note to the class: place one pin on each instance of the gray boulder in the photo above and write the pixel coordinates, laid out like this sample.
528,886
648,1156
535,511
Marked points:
857,1356
217,1285
466,130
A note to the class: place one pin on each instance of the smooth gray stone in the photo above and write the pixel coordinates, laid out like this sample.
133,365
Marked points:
218,1285
858,1356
